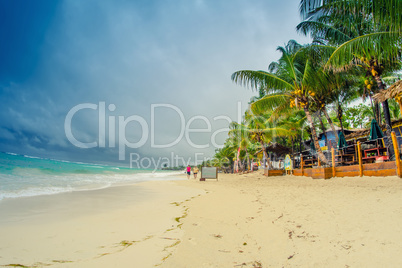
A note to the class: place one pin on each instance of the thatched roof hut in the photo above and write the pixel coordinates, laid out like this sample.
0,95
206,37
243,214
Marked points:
364,133
277,149
393,91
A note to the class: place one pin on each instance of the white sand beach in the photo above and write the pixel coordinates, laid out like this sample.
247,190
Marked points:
238,221
127,226
256,221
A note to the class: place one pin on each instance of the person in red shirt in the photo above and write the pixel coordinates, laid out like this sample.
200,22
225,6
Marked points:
188,171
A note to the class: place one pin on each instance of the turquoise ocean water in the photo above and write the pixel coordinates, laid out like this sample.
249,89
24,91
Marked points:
23,176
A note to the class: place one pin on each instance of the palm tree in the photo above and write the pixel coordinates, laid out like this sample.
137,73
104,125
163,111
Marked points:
256,129
374,40
331,24
238,137
223,157
343,93
294,121
383,12
289,86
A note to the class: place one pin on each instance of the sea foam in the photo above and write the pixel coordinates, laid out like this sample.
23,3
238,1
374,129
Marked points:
25,176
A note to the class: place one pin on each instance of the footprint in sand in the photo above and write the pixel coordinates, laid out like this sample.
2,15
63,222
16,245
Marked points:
192,241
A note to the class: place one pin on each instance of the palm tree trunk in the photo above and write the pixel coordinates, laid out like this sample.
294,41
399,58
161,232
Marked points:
248,160
377,112
339,114
322,157
300,142
387,117
293,152
331,124
323,127
264,152
293,144
388,126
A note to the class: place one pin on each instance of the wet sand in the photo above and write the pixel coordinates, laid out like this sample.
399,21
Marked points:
126,226
238,221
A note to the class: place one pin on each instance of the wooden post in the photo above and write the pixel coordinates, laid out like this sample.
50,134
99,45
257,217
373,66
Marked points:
293,161
359,153
397,156
301,165
333,161
319,162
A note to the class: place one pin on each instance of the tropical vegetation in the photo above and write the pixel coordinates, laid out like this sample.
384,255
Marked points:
355,51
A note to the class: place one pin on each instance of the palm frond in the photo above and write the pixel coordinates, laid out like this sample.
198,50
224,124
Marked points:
381,45
270,103
255,79
322,31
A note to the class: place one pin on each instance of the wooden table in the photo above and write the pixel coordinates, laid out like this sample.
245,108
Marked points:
369,159
379,153
309,162
347,159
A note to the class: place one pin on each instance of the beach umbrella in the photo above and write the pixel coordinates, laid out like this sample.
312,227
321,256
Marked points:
375,131
342,141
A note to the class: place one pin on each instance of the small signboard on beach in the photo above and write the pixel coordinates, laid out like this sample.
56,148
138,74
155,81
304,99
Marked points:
209,173
288,162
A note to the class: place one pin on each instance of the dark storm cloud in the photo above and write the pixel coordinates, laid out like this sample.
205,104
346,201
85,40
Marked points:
132,55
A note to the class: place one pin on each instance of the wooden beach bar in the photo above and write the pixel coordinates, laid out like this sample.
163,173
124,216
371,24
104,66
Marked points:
369,162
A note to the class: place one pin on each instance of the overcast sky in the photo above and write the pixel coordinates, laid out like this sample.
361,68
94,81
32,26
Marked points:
96,81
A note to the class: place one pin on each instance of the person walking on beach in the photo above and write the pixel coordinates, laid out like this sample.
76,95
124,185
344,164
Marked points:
188,171
195,171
